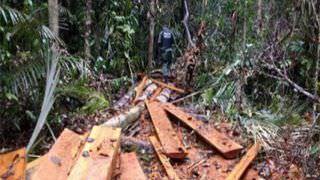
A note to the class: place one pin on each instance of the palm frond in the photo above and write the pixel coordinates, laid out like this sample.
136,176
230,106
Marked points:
10,15
47,34
53,71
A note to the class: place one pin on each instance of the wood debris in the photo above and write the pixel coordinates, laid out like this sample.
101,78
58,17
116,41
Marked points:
244,163
13,165
156,94
140,89
226,146
163,159
130,167
169,140
164,85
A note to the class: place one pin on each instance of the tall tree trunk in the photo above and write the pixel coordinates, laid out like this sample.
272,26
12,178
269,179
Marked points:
88,22
53,16
186,25
151,15
260,20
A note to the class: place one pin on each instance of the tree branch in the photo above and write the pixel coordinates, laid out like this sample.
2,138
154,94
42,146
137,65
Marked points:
185,23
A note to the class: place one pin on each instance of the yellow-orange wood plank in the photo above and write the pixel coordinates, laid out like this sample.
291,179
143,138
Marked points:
169,140
13,165
226,146
156,94
163,159
164,85
56,164
98,157
130,167
140,88
244,163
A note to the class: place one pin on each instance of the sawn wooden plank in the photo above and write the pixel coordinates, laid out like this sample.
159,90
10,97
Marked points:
226,146
244,163
13,165
169,140
57,163
163,159
130,168
98,157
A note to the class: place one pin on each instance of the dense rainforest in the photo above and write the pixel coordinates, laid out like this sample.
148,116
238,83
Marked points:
63,64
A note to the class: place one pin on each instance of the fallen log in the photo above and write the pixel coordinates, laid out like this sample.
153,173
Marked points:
126,118
13,165
60,158
147,93
133,143
98,157
130,167
244,163
163,159
164,95
124,100
164,85
140,89
226,146
169,140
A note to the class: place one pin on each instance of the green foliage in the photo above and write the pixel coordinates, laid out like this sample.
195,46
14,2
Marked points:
92,100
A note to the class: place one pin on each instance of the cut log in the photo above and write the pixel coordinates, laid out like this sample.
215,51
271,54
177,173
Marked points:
244,163
163,159
126,118
156,94
133,143
226,146
164,85
130,167
125,100
98,157
147,93
164,95
140,89
13,165
169,140
60,158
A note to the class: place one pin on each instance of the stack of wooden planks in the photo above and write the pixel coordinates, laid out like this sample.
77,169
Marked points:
97,154
80,157
167,144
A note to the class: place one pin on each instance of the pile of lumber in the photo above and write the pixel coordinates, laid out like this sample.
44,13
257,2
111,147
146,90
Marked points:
97,154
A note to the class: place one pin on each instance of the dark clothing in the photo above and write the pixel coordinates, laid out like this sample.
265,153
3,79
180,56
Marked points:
165,42
165,39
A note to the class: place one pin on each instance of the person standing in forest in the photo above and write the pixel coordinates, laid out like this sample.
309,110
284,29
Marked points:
165,42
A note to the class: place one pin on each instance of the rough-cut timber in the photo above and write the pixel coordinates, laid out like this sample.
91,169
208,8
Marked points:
164,85
244,163
130,167
169,140
33,166
140,89
60,158
98,157
227,147
156,94
163,159
13,165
